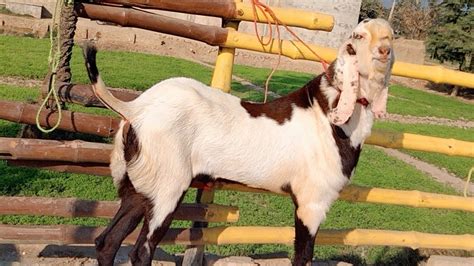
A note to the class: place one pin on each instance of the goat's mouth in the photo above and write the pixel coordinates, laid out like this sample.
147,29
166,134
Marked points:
382,60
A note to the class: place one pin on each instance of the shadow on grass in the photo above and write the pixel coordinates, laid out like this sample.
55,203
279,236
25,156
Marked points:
20,180
387,257
448,89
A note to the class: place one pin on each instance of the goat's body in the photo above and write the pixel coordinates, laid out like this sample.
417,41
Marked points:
215,135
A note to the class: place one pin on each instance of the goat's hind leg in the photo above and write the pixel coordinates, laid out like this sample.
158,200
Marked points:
156,223
126,219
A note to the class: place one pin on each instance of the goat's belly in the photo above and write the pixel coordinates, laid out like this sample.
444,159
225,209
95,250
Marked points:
254,167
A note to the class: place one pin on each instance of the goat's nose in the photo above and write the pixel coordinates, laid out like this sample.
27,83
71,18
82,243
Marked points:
384,51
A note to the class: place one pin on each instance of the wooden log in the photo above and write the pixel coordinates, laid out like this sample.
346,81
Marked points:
397,140
221,8
100,169
71,207
83,94
18,112
69,234
127,17
235,10
411,198
71,151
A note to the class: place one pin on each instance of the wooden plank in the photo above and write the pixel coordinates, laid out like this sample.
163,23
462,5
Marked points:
73,207
19,112
76,151
127,17
236,10
83,94
100,169
221,8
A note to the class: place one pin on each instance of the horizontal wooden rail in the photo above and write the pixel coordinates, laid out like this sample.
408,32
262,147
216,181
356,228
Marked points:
411,198
83,94
71,207
296,50
127,17
235,10
409,141
19,112
217,36
350,193
99,169
68,234
70,151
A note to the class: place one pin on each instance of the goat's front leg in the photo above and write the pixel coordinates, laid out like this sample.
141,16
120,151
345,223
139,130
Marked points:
310,211
304,243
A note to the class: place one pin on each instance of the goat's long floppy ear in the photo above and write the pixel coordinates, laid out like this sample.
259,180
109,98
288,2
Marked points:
347,62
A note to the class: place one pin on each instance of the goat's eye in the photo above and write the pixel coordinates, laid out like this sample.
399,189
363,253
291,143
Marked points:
357,36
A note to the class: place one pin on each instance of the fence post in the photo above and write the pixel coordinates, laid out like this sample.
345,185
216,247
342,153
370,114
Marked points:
222,76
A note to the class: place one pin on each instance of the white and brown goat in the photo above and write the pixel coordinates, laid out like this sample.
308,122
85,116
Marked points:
306,143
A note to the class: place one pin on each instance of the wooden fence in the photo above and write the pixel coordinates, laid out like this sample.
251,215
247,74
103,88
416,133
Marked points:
93,158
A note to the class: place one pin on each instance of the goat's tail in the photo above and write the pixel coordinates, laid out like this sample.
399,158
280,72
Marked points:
98,85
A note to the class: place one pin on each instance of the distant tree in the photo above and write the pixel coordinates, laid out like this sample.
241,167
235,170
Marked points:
411,19
371,9
451,38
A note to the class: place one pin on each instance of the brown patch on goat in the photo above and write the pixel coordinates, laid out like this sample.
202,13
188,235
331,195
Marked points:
130,142
281,109
304,241
349,155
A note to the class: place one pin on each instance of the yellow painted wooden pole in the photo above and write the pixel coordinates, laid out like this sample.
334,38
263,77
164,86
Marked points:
411,198
353,237
288,16
222,76
296,50
412,239
421,143
436,74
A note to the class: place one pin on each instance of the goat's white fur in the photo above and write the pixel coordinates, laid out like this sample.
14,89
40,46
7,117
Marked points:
186,128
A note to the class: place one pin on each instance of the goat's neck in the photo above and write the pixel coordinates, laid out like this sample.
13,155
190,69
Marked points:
359,125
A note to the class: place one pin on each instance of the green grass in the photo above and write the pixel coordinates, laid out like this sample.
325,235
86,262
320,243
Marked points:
282,82
406,101
139,71
456,165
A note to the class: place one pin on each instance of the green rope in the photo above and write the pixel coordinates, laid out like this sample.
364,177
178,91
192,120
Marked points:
53,60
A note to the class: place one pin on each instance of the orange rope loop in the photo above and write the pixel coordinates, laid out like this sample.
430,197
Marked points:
267,10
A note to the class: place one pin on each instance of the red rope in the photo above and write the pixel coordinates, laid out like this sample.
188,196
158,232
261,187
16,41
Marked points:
267,10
